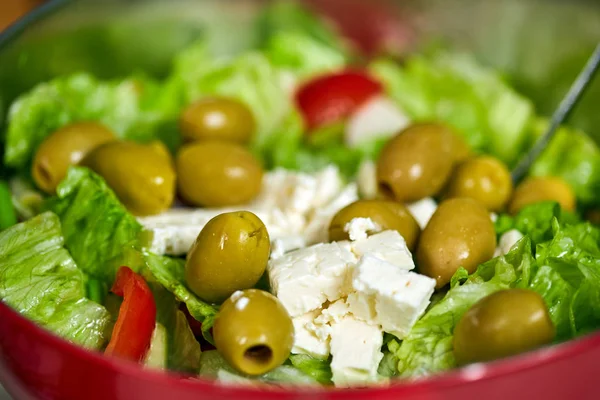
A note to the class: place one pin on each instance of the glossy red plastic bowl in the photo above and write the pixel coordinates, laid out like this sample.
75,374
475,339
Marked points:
35,364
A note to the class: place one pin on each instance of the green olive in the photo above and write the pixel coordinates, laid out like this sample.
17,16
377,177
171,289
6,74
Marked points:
63,148
230,253
538,189
502,324
460,233
141,175
416,163
389,215
216,174
218,118
483,178
253,332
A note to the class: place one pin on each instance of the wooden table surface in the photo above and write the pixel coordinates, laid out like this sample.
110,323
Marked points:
10,10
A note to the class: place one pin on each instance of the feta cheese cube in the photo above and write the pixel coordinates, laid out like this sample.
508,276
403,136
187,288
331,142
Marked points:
356,350
357,228
507,241
388,295
305,279
283,245
423,210
388,246
306,340
317,230
367,179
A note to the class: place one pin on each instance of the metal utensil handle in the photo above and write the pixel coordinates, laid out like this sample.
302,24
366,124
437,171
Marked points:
560,115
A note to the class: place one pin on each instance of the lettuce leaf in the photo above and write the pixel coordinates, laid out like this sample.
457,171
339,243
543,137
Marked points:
302,55
124,106
575,157
319,370
183,350
213,365
99,232
428,347
250,78
535,221
39,279
292,17
170,272
454,89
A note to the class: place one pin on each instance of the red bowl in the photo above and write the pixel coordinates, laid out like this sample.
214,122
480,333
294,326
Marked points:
35,364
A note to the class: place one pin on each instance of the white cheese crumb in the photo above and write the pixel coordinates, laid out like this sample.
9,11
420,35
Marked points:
358,228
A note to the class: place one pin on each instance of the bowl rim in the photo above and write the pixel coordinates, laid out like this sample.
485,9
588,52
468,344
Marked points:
475,373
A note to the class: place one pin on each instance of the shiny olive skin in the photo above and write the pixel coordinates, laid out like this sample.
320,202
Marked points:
141,175
389,215
216,174
417,163
230,253
537,189
64,148
218,118
503,324
460,233
485,179
253,332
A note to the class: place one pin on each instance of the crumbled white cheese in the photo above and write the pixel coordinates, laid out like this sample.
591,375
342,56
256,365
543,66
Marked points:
388,246
356,352
423,210
283,245
389,296
306,340
305,279
507,241
367,180
358,228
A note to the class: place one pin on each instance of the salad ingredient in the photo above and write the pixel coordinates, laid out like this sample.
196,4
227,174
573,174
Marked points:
8,215
306,340
574,157
230,253
213,365
40,280
485,179
455,89
538,189
141,175
63,148
216,174
99,233
385,214
422,210
217,118
428,347
416,163
170,273
378,118
389,296
507,241
356,351
134,109
331,98
253,332
320,370
303,280
460,234
133,330
502,324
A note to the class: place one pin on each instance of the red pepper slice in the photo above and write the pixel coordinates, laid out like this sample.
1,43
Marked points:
133,330
331,98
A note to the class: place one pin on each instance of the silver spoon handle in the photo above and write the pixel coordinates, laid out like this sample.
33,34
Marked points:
560,115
